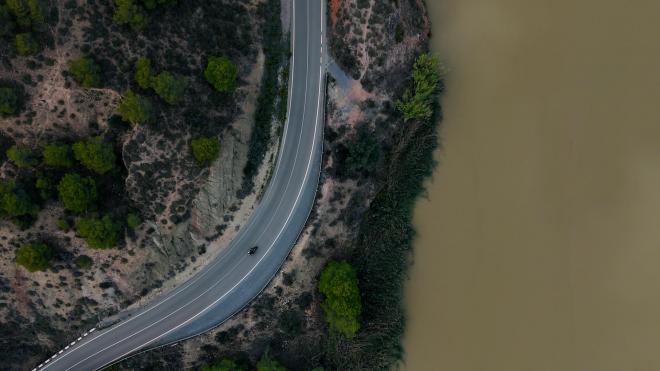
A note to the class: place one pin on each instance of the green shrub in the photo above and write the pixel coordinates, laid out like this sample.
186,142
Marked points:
99,233
363,154
25,44
221,73
14,201
417,102
169,87
135,108
95,154
205,150
133,221
63,225
44,187
86,72
58,155
224,365
22,156
83,262
8,101
143,74
268,364
131,13
341,304
78,194
34,256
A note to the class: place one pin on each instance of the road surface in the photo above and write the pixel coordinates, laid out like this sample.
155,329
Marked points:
234,278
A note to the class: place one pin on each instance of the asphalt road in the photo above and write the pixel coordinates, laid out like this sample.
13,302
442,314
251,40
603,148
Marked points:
234,278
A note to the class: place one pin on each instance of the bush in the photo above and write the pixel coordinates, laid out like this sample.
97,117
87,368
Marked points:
169,87
268,364
22,156
86,72
58,155
224,365
133,221
205,150
8,101
129,12
135,108
221,73
83,262
143,74
15,201
363,154
25,44
78,194
44,187
63,225
341,304
34,256
95,154
417,102
99,233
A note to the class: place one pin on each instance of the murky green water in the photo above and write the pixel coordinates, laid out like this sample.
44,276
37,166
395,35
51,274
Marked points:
539,246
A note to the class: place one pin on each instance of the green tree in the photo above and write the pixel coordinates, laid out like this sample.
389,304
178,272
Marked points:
34,256
25,44
133,221
417,102
169,87
21,11
143,74
131,13
83,262
8,101
44,187
135,108
221,73
58,155
95,154
341,304
86,72
22,156
36,15
205,150
14,201
78,194
224,365
99,233
268,364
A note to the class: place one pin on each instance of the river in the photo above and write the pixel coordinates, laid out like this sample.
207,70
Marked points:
539,244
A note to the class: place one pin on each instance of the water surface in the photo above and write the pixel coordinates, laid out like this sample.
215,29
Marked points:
539,245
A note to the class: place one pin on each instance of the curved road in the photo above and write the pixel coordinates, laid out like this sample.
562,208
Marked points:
234,278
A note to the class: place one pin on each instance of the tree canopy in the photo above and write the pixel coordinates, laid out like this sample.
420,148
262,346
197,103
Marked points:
268,364
133,221
341,304
99,233
221,73
8,101
78,194
143,74
58,155
83,262
224,365
205,150
22,156
135,108
363,154
95,154
417,102
34,256
25,44
169,87
130,13
14,201
86,72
